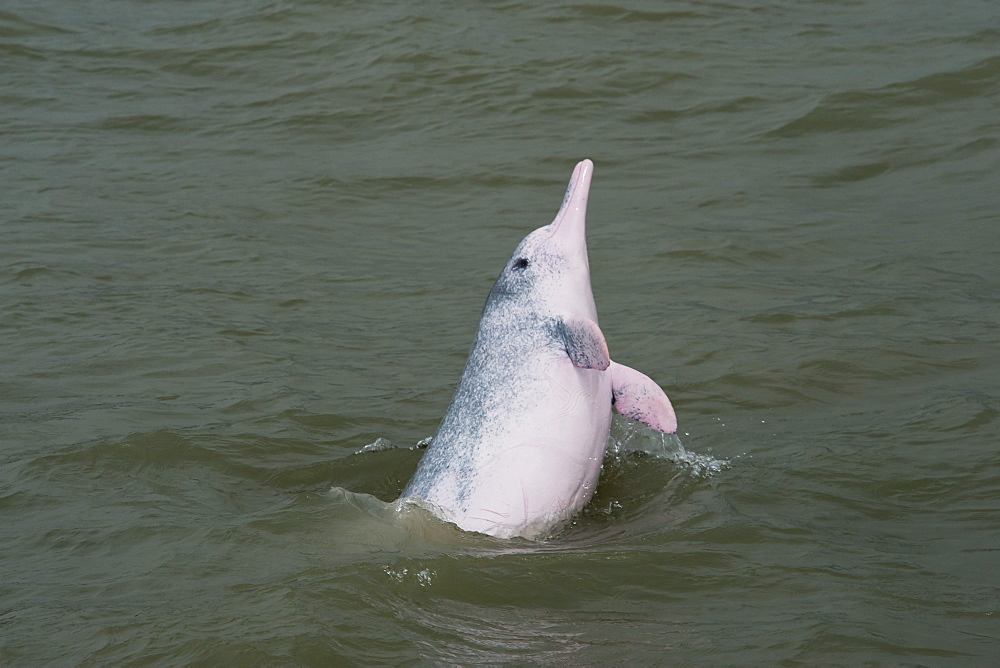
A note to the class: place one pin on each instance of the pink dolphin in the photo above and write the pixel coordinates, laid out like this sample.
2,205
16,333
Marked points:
520,448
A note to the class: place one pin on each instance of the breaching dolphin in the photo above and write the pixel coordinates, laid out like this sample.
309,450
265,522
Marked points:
521,446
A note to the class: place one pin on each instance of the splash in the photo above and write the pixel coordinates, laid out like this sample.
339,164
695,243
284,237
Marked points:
378,445
424,577
630,436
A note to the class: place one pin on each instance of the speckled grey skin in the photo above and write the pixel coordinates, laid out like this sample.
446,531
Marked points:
521,445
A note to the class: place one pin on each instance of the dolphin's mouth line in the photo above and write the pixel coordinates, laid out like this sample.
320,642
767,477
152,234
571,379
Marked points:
570,199
573,199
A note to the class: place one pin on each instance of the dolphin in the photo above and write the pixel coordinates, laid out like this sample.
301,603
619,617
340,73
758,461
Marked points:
520,448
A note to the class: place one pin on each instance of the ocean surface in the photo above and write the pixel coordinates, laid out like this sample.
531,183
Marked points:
243,250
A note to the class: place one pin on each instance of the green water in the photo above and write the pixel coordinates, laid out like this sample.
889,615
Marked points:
241,241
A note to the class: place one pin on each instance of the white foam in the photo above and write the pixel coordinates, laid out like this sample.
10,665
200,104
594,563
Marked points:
627,435
377,445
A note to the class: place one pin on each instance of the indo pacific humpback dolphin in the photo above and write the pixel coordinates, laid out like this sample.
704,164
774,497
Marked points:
521,446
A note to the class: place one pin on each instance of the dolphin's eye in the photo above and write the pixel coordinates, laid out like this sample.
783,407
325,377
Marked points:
520,263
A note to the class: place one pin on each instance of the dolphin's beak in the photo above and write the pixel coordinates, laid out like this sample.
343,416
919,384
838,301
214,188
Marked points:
569,229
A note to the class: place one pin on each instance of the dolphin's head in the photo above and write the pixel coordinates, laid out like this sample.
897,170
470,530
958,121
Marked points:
549,271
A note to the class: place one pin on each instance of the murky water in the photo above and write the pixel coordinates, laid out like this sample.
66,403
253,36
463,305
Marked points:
241,241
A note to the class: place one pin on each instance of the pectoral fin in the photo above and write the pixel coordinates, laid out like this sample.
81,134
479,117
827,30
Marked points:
584,343
635,396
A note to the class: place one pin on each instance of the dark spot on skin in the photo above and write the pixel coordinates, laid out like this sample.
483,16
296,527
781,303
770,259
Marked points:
520,263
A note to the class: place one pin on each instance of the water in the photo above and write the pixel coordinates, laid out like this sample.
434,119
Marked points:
242,241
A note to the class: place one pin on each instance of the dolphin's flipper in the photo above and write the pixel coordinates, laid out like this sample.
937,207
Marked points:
635,396
585,343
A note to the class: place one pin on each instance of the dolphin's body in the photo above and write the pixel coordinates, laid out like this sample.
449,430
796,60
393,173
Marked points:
521,445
